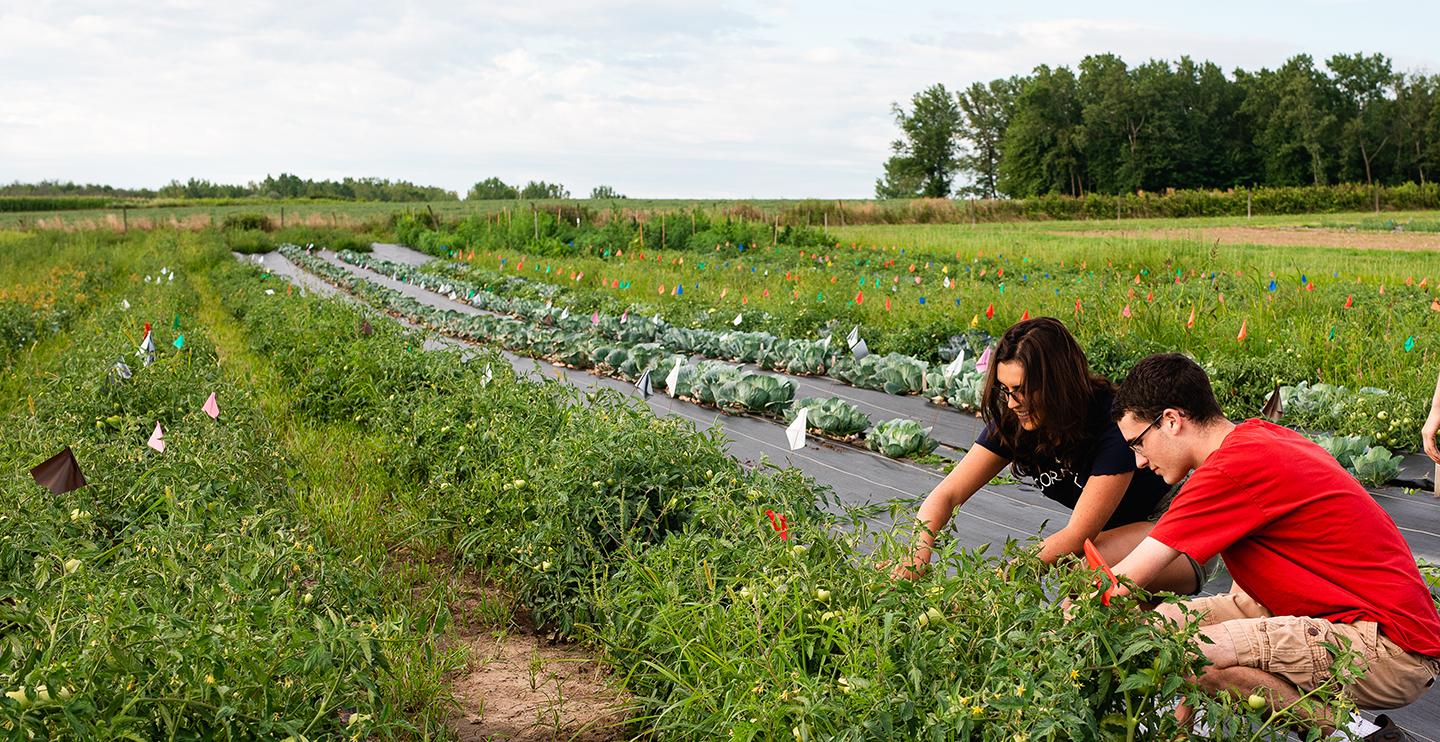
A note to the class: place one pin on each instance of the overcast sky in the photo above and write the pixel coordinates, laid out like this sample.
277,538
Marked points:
776,99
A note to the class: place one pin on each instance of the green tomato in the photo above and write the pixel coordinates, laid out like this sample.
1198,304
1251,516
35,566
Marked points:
1255,701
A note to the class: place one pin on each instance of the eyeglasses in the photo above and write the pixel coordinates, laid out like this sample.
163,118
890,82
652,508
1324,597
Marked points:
1008,394
1136,442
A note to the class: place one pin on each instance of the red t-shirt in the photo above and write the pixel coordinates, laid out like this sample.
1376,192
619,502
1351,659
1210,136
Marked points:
1301,536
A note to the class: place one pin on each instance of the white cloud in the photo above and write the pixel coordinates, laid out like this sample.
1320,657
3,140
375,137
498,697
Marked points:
652,97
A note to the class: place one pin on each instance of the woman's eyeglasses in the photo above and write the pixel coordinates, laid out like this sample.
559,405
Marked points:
1007,394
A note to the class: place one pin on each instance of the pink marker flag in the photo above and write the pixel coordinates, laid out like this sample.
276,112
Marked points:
157,439
212,408
984,363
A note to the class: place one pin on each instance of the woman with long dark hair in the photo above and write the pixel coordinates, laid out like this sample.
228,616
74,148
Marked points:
1047,415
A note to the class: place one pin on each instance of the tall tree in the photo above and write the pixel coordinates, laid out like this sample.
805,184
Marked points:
1041,144
1294,110
1366,109
902,179
985,113
929,144
605,191
492,189
1417,127
541,189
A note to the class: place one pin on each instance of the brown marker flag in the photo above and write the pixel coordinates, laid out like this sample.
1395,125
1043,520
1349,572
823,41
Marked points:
60,473
1274,408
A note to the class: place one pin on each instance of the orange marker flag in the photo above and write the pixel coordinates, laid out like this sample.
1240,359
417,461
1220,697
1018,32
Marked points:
887,303
1191,322
859,297
1025,316
1077,306
1150,296
990,311
1243,334
1435,305
1095,561
1137,279
1349,301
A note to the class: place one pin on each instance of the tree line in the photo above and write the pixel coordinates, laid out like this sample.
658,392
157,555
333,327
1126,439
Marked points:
495,189
284,185
1111,128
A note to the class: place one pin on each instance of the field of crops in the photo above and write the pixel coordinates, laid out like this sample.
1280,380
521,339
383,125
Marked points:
1350,333
292,567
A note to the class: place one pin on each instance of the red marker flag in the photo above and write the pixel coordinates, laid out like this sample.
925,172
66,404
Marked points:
1025,316
777,522
1349,301
990,311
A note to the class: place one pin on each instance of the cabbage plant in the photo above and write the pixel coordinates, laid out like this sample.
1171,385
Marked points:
899,438
830,415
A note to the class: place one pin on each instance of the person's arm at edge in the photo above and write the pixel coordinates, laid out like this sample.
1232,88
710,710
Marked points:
1432,425
1144,563
1098,500
976,468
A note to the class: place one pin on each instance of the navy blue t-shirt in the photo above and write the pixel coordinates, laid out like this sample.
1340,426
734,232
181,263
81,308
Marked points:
1105,453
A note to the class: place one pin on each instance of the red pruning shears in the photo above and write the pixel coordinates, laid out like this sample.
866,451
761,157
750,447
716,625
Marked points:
1093,558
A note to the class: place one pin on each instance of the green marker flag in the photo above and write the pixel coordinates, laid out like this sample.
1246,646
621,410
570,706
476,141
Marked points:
175,325
1409,343
179,342
1332,333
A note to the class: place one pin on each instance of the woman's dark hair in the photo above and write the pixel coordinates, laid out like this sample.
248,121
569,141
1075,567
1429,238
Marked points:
1059,394
1167,380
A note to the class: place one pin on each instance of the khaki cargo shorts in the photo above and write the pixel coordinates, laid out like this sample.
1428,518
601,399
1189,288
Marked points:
1293,648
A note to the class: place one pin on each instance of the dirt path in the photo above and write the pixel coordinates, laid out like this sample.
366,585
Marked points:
1286,236
520,686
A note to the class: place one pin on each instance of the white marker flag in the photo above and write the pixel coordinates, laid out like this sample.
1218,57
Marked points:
157,439
796,430
673,380
956,367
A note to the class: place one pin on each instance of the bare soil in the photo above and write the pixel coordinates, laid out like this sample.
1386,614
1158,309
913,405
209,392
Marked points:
1286,236
521,686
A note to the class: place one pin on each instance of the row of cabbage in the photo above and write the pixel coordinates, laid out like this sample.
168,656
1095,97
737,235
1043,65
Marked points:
961,385
893,373
708,382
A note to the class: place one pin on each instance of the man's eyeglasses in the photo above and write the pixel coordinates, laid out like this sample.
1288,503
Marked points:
1136,442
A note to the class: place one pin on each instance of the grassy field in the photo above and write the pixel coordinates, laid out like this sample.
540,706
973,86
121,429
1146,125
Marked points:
292,568
1344,316
352,214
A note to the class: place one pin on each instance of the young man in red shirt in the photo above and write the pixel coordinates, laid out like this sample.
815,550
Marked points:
1313,557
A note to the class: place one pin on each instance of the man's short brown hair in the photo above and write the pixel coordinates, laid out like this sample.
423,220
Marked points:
1164,381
